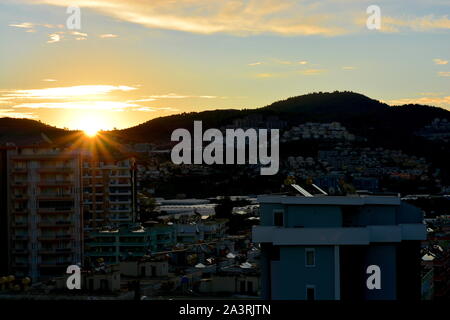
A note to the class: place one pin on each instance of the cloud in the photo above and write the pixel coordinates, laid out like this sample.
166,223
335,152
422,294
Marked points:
251,17
49,80
265,75
419,24
179,96
108,35
79,105
440,61
83,97
348,68
279,62
54,37
31,26
239,17
12,114
312,72
153,109
444,73
432,100
430,93
25,25
64,92
79,35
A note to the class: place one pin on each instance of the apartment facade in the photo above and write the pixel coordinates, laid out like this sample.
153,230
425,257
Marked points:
4,239
320,247
109,191
44,210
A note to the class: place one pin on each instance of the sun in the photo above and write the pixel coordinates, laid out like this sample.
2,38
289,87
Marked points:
90,132
90,127
91,123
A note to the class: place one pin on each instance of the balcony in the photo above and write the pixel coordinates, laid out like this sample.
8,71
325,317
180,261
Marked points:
19,224
101,244
101,254
50,238
18,183
20,197
20,211
68,196
338,236
55,182
55,210
55,224
133,244
20,264
56,264
55,251
20,251
20,237
120,202
55,169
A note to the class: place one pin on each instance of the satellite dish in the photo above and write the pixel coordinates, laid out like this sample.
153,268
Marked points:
246,265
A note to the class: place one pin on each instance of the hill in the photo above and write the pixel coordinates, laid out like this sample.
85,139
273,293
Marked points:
27,132
360,114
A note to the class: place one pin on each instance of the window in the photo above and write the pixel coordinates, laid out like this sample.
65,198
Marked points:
310,257
278,218
310,293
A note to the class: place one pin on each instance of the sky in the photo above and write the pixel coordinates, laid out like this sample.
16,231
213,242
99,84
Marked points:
133,60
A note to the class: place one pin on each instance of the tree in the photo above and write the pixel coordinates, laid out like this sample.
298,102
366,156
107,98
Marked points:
224,209
147,206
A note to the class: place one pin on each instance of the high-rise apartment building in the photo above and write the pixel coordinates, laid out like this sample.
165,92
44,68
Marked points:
4,239
109,191
44,210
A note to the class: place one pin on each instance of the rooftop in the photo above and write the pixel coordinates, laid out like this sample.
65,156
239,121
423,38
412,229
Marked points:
355,200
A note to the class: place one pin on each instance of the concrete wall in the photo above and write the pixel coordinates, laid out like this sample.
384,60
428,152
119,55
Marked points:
152,268
383,256
229,284
112,280
312,216
290,276
377,215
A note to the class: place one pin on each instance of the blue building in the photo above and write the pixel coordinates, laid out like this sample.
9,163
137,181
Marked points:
321,247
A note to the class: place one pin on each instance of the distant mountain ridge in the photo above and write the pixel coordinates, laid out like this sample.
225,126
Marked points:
27,131
359,113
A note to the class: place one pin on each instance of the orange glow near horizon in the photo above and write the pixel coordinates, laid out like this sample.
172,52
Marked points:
91,132
91,125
